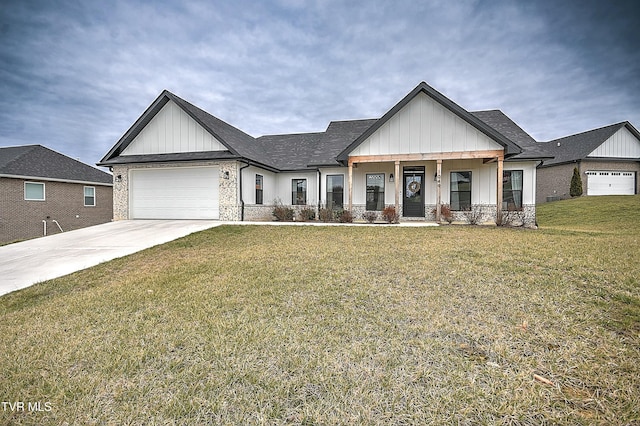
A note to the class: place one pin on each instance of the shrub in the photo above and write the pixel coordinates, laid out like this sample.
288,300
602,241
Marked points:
344,216
576,184
445,213
282,213
474,216
307,214
326,215
390,215
370,216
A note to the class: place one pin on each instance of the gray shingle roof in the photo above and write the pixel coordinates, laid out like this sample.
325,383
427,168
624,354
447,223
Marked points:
310,150
579,146
531,149
280,152
499,121
37,161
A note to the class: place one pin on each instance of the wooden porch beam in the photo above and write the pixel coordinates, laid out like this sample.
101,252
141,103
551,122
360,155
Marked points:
397,182
457,155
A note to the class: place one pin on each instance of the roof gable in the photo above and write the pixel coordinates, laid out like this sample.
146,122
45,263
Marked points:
622,144
447,105
579,146
37,161
234,140
172,130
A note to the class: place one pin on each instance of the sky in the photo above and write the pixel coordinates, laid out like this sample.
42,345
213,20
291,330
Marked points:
75,75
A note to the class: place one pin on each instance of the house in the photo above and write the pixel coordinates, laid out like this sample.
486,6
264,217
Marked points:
178,161
607,158
44,192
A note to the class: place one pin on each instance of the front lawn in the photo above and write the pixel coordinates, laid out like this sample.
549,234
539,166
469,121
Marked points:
341,325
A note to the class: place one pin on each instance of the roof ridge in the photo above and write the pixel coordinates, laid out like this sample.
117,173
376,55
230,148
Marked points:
22,154
609,126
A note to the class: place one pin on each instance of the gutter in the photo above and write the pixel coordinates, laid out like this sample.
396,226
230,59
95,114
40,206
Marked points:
48,179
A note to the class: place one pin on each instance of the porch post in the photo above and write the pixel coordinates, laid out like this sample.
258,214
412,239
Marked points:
397,182
350,184
499,186
438,189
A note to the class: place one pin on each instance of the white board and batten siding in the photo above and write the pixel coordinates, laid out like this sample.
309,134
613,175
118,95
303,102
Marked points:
172,130
424,126
622,144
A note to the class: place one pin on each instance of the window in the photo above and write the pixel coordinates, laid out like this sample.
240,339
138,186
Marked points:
34,191
375,191
259,198
298,192
460,191
512,189
335,192
89,196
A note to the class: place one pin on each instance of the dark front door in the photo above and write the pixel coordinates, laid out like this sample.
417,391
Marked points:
413,199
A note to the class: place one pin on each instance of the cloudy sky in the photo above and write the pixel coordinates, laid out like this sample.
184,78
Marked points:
75,74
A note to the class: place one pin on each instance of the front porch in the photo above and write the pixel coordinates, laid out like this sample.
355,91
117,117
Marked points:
416,195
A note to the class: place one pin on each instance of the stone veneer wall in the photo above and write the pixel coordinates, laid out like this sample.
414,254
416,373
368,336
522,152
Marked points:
229,209
526,217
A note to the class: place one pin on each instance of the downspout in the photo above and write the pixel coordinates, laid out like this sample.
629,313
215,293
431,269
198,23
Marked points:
241,197
319,190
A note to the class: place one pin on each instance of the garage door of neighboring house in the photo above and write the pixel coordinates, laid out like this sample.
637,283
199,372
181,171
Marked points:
611,183
174,193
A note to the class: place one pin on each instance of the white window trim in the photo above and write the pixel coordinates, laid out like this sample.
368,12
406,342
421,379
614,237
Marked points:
84,196
44,191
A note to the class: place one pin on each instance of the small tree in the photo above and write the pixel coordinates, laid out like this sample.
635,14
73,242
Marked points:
576,184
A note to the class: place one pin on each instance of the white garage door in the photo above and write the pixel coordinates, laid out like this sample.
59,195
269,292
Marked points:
611,183
180,193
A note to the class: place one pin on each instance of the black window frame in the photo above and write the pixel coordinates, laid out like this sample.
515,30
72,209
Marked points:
374,199
259,189
332,193
298,197
454,202
512,197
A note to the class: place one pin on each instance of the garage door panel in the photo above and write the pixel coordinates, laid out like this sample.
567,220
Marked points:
180,193
610,183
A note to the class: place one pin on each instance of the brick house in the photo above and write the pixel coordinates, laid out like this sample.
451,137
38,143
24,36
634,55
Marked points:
43,192
608,159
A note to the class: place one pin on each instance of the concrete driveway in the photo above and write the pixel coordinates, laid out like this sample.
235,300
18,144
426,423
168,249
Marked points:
29,262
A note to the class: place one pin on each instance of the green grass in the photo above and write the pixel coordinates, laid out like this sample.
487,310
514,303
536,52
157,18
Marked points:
342,325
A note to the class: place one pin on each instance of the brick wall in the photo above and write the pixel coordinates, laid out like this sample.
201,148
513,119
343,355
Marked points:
555,181
64,202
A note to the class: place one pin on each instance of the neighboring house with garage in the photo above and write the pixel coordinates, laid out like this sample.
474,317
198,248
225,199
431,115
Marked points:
180,162
607,158
43,192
